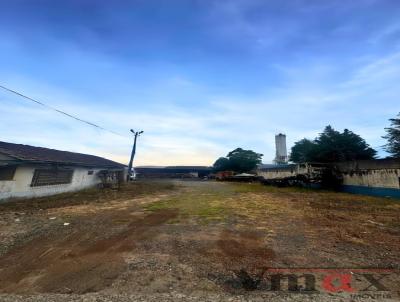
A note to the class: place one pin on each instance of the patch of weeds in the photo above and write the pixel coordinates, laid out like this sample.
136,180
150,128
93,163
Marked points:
204,207
260,188
158,205
210,211
352,202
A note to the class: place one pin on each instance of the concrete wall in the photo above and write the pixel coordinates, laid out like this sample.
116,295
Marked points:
20,186
283,172
385,178
376,164
277,174
381,173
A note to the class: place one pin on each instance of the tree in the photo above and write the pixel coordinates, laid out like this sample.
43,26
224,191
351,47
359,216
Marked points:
302,151
238,160
221,164
393,137
332,146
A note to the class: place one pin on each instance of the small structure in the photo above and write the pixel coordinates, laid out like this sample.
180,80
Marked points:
28,171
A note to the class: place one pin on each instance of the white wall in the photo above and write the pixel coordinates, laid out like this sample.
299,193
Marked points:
382,178
20,186
279,173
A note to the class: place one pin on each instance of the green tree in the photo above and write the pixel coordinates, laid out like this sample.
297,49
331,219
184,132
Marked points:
302,151
221,164
393,137
332,146
238,160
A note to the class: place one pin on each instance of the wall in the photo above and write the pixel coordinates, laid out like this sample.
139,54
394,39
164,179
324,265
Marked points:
376,164
385,178
381,173
284,171
21,185
277,174
373,177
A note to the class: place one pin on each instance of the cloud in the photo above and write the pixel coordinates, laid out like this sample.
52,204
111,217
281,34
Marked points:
175,134
200,78
377,72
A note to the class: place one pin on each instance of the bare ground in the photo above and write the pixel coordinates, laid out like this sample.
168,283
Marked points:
188,240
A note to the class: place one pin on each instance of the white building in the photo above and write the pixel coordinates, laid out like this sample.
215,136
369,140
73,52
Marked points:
27,171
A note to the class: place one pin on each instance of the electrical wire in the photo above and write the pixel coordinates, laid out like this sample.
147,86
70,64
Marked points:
60,111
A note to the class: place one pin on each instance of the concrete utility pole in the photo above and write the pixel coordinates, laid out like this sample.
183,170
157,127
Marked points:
130,172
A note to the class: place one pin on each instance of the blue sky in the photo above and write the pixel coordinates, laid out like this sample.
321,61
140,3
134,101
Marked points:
199,77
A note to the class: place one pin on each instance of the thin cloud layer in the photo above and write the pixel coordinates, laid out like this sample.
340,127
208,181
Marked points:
199,77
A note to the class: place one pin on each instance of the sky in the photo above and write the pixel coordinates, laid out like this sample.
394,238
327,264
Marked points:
199,77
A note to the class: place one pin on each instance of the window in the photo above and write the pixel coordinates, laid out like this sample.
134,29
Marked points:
48,177
7,172
90,172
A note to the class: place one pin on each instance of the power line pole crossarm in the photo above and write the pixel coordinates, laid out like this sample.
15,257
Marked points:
130,171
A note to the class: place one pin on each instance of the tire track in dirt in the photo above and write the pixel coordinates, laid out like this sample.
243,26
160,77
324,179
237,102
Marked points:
78,263
238,258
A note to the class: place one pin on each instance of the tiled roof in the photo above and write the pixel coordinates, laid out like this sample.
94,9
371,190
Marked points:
44,155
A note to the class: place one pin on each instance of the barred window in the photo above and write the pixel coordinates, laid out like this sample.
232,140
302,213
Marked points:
7,172
48,177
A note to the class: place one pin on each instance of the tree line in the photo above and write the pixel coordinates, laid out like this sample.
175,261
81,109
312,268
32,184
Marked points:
335,146
330,146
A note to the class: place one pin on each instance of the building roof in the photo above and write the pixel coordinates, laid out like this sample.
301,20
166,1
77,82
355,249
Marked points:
26,153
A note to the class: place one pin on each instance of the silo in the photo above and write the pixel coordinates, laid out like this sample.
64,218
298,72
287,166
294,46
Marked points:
281,151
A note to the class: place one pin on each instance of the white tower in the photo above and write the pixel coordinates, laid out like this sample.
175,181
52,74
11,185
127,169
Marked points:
281,151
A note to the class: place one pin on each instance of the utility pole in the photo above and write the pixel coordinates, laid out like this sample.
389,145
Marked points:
136,133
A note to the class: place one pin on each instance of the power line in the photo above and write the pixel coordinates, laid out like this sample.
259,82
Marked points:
60,111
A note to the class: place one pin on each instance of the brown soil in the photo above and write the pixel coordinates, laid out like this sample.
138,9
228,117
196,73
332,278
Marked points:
189,237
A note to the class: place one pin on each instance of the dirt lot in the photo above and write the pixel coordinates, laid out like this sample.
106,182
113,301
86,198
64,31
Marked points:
191,240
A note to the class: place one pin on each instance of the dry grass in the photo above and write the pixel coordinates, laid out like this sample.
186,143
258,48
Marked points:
88,196
188,235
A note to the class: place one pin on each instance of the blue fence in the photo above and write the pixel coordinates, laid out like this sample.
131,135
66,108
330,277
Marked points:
383,192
